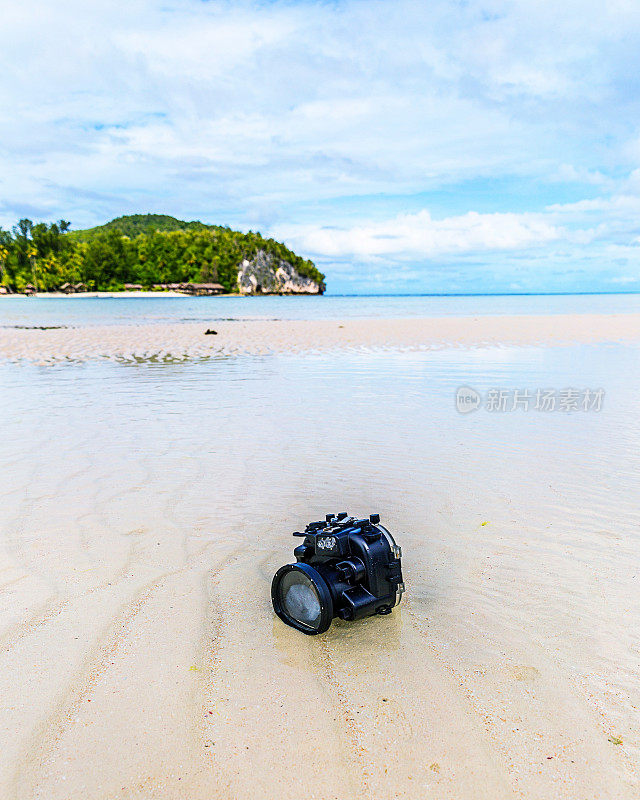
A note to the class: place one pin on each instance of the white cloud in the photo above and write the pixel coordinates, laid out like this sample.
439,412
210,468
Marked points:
278,114
419,236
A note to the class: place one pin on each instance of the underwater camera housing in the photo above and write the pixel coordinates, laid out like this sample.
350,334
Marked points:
345,567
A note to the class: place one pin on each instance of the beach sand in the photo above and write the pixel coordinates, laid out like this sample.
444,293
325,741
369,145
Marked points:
139,655
81,295
262,337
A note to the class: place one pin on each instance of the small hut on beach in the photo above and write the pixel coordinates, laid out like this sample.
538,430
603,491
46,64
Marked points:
202,288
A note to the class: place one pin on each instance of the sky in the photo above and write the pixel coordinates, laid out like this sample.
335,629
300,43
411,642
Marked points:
403,146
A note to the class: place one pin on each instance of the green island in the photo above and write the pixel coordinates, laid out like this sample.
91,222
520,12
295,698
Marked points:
150,252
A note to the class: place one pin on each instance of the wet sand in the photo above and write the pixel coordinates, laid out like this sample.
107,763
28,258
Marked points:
145,508
260,337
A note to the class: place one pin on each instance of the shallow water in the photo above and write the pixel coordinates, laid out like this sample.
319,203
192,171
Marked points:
274,441
80,311
520,530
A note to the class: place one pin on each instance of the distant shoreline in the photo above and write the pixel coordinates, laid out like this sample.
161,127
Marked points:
170,293
82,295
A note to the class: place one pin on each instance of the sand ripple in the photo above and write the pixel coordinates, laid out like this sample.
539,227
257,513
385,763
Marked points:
183,341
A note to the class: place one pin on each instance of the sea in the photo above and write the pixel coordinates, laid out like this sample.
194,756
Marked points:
119,310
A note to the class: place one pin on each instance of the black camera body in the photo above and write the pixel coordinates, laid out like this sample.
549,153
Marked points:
345,567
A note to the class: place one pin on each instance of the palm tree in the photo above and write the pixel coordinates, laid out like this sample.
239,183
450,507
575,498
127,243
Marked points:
32,253
4,255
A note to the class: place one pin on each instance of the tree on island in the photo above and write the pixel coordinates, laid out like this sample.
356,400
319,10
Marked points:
143,249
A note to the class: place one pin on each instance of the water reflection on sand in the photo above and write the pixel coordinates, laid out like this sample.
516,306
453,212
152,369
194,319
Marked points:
146,506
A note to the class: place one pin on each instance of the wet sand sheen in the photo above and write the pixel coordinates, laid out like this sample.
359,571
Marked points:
145,508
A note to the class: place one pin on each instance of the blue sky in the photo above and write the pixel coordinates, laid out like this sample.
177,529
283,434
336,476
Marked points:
404,146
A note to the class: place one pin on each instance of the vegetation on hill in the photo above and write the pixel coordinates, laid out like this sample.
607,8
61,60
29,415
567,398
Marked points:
135,224
145,249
